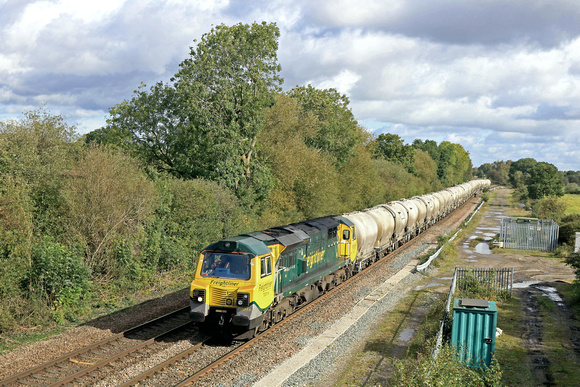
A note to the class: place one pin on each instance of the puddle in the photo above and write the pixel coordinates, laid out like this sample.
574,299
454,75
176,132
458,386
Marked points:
406,335
482,248
431,285
525,284
497,229
551,293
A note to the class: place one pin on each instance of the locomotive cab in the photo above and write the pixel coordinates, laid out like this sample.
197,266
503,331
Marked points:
233,284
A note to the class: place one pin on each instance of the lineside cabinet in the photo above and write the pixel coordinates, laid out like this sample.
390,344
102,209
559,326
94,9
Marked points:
473,330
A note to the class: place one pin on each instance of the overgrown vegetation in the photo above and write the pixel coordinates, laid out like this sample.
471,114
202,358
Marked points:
444,370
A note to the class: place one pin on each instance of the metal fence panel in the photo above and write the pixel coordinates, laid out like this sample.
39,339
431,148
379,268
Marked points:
528,234
496,280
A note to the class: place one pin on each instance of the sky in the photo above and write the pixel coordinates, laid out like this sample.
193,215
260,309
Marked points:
499,77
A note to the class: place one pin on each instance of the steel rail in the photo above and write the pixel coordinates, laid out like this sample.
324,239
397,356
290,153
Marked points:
71,356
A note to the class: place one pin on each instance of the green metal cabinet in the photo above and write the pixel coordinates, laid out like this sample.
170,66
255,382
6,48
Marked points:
473,330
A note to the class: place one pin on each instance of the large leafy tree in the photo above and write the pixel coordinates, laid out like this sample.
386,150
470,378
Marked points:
520,171
391,147
205,122
306,182
454,164
335,131
545,181
428,146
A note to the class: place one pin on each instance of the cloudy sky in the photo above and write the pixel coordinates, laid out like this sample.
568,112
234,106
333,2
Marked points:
500,77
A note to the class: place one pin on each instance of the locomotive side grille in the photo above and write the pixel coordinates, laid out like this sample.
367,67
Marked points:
219,297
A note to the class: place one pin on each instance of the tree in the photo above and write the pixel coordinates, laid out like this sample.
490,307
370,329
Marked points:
205,123
499,174
428,146
545,181
108,196
306,183
454,165
392,148
40,148
520,171
453,162
426,170
335,130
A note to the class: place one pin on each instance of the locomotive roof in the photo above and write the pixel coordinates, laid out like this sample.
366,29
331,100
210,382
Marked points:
291,235
285,235
241,244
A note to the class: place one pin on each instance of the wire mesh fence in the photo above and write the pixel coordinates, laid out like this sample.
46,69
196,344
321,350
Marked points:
528,234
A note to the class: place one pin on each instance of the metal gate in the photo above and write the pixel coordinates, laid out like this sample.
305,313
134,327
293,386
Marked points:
529,234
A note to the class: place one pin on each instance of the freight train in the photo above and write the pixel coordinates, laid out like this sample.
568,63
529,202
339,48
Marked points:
247,283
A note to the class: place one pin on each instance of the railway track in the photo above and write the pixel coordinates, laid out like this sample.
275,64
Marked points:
83,365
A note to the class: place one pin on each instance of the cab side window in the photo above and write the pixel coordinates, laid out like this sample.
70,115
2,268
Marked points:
266,266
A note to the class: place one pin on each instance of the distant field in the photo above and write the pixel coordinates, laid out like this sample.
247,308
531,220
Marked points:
572,204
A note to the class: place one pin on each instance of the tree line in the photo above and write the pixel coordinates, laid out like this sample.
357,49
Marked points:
217,151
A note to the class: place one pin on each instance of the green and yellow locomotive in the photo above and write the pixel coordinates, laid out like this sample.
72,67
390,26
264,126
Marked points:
249,282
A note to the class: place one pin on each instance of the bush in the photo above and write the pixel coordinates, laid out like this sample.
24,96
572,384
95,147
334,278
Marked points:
549,207
569,226
445,370
191,215
59,274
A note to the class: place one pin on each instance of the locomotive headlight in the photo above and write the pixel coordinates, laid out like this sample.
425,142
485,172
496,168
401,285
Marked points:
243,299
198,295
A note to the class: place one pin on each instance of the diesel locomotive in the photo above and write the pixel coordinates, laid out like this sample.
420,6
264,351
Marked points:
247,283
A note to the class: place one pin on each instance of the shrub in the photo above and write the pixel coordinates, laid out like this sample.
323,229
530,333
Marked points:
445,370
569,226
59,274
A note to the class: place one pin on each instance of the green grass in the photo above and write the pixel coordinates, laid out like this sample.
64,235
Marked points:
510,348
371,365
572,204
563,362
